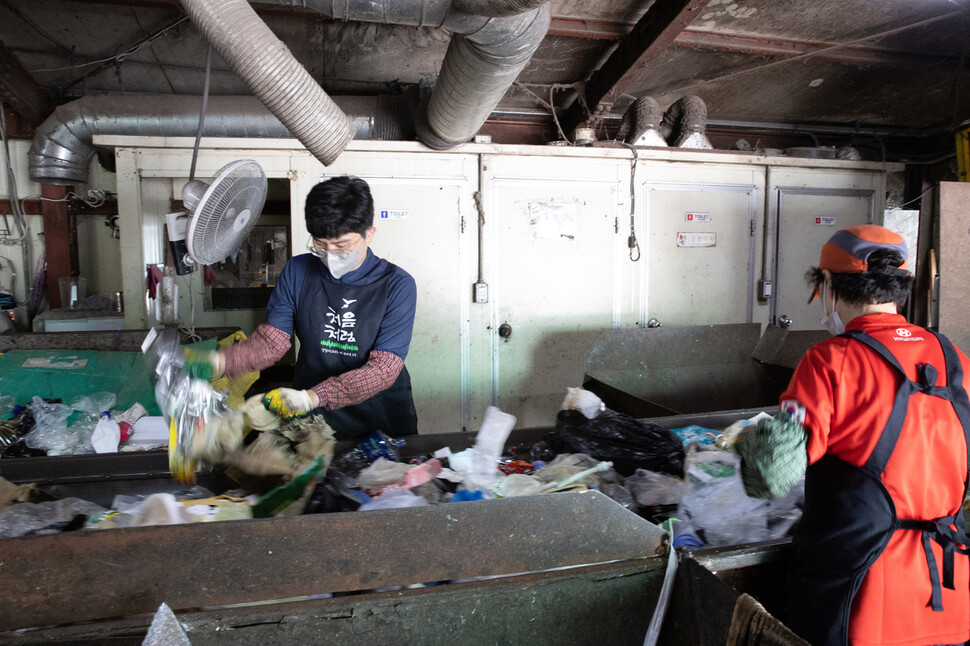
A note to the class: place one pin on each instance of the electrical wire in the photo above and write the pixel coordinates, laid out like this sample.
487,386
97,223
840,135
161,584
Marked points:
918,197
189,330
631,242
118,58
95,197
205,101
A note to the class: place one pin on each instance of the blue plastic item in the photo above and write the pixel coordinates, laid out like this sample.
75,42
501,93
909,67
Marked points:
695,433
464,495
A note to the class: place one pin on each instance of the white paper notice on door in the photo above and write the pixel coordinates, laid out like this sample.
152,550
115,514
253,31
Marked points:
553,220
685,239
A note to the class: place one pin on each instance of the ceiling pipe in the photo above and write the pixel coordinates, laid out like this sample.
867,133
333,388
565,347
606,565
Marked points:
271,72
485,55
62,147
497,8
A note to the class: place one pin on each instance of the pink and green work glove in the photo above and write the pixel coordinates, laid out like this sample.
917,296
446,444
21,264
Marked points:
288,402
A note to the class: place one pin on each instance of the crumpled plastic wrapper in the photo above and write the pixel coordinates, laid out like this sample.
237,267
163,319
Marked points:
166,630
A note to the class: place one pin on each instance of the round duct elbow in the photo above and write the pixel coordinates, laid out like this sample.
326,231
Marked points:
264,63
643,114
685,117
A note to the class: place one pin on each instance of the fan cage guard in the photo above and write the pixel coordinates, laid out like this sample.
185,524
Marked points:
227,212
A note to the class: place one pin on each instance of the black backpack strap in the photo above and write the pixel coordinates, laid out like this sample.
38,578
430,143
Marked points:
958,394
938,529
877,462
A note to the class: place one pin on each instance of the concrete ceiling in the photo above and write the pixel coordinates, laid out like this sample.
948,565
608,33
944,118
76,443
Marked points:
889,69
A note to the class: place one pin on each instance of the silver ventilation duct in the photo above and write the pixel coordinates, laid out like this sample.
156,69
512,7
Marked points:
684,123
485,56
497,8
268,69
62,147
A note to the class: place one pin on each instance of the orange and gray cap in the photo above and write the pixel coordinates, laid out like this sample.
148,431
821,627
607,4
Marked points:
848,251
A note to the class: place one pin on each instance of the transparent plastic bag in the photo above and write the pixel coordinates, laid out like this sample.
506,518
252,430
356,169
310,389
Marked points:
44,517
6,406
620,494
382,473
203,427
50,432
94,404
716,507
651,488
396,498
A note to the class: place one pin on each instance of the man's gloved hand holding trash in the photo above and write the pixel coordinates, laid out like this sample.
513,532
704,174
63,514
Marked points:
267,411
289,403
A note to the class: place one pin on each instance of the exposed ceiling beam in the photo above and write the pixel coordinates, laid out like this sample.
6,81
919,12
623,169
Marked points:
746,44
652,34
20,91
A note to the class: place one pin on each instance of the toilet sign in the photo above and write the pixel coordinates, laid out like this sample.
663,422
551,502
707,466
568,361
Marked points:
697,216
395,214
825,220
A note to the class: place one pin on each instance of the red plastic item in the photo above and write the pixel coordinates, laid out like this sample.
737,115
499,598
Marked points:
517,466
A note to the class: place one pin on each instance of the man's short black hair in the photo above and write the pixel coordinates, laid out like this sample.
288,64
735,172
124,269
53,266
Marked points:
338,206
872,287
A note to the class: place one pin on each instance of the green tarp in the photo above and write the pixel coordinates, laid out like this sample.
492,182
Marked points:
66,374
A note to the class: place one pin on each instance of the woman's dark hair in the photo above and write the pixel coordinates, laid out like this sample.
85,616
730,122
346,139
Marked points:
879,284
338,206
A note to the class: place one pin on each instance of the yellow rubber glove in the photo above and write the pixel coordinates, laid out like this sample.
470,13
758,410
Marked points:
288,403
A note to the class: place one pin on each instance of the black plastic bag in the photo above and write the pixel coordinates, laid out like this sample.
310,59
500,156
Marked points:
610,436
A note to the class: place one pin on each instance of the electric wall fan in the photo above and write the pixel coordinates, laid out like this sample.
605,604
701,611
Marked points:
218,216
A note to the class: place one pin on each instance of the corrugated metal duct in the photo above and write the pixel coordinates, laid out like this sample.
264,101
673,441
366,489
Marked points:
486,54
62,147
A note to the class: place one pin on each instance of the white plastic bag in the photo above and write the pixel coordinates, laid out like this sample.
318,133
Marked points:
396,498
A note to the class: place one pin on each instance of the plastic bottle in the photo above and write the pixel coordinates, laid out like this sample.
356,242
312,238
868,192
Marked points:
685,537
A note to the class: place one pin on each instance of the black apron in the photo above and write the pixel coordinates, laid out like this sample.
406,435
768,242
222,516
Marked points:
849,515
337,326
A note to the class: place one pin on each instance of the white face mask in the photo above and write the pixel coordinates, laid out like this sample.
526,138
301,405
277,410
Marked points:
832,322
339,263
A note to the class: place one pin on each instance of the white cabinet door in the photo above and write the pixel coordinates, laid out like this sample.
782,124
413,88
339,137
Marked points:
425,220
809,206
701,252
555,250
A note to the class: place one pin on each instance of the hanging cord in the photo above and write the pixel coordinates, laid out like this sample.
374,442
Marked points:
555,116
205,102
189,330
631,242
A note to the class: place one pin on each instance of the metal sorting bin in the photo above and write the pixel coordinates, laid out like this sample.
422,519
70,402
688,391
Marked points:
645,372
565,568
